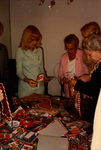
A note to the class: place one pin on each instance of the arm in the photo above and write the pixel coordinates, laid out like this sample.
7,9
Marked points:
19,68
60,72
31,82
19,59
63,79
80,67
90,88
42,66
86,88
83,87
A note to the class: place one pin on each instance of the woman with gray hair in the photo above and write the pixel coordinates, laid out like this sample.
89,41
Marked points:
90,84
87,30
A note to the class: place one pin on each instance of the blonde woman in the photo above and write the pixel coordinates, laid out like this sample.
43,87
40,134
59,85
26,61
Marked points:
87,30
29,62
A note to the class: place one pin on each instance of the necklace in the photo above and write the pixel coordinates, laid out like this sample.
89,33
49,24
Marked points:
95,66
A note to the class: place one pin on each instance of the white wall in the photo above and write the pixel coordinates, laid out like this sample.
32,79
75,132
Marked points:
54,24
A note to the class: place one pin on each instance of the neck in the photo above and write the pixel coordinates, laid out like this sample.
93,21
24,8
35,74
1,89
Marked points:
71,58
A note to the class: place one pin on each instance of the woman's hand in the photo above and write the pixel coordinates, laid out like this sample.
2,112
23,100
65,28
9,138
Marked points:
85,77
1,95
46,79
31,82
64,80
73,82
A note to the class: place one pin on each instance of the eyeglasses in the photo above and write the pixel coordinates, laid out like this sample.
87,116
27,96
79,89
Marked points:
68,49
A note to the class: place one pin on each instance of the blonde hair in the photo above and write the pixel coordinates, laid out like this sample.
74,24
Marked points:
91,28
30,32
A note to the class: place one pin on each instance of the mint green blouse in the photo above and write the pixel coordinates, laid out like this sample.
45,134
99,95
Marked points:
29,64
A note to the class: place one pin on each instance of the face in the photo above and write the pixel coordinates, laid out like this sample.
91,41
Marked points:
85,33
94,56
71,49
32,44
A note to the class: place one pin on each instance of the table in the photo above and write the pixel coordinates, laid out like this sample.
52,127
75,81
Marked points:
77,129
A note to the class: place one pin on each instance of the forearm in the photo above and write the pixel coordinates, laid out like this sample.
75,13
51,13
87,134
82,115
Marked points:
26,80
86,88
60,72
19,65
31,82
85,77
20,75
42,71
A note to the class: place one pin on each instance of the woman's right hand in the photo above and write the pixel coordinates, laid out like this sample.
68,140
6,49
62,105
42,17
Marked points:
31,82
64,80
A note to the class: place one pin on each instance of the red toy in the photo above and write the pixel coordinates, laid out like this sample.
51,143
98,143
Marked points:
26,124
40,77
19,114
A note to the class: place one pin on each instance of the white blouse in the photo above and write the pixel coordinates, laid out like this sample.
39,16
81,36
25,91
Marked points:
71,68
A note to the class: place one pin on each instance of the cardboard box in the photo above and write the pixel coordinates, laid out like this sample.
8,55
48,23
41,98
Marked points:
30,136
6,135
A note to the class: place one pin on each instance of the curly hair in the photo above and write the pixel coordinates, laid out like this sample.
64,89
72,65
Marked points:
92,43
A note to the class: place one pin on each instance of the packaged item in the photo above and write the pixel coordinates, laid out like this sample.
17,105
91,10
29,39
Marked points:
40,78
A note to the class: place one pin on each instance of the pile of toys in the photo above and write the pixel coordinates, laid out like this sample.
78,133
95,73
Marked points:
20,130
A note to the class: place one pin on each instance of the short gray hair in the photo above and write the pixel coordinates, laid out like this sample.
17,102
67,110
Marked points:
92,42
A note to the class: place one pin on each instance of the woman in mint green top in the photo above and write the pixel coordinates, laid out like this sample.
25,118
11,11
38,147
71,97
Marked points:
29,62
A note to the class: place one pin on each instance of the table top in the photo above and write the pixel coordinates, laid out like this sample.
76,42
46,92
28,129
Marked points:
31,118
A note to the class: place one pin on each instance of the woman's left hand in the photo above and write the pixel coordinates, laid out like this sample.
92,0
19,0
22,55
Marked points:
47,79
31,82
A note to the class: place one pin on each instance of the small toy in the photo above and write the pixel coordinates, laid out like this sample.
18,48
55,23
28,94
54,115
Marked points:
26,124
40,78
19,114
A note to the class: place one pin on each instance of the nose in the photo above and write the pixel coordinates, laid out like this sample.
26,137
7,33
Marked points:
35,41
83,38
